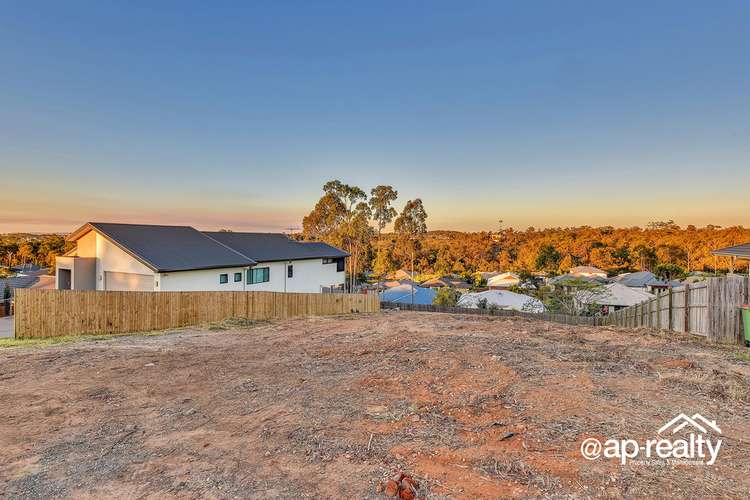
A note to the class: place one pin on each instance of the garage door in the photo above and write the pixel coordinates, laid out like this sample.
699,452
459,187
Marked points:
128,282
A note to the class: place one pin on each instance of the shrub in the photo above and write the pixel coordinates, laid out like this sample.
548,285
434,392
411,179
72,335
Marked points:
446,297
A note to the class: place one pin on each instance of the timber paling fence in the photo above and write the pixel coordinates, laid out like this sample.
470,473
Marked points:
54,313
557,318
710,308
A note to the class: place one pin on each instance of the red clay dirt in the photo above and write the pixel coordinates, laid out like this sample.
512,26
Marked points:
336,407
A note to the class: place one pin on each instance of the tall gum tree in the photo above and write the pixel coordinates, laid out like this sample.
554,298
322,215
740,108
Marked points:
341,218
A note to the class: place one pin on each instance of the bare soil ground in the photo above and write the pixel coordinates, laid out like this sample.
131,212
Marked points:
332,407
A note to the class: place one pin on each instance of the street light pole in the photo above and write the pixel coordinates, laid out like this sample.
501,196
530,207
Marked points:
412,274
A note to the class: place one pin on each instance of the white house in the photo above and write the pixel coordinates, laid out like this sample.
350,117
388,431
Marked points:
588,271
504,280
614,296
139,257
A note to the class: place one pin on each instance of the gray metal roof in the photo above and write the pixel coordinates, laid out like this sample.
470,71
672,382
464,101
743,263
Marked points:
169,248
30,268
585,270
269,247
444,281
742,251
568,278
639,279
20,281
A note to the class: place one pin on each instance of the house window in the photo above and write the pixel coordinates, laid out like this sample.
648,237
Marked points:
328,260
237,277
223,278
290,271
258,275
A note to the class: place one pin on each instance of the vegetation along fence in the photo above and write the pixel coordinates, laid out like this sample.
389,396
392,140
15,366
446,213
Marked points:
557,318
52,313
709,308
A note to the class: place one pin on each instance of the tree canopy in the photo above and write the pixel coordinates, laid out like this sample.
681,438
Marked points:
381,198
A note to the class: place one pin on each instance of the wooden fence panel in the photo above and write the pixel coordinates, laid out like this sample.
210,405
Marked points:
698,308
53,313
724,319
709,308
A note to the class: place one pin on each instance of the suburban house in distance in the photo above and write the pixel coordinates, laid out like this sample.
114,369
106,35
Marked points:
504,280
401,274
588,272
645,281
138,257
447,282
615,296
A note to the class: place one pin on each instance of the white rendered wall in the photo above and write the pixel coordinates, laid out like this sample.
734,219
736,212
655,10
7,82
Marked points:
310,276
201,280
82,272
110,257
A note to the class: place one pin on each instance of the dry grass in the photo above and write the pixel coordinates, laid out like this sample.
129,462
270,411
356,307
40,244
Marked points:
722,386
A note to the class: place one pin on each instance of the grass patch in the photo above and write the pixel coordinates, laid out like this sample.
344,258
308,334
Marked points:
716,385
741,356
235,323
4,343
228,324
66,339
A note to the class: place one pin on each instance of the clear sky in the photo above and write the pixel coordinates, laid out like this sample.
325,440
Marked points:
234,114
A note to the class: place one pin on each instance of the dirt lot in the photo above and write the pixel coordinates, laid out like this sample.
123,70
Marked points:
332,407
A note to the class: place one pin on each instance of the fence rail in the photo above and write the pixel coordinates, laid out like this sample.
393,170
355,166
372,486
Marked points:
709,308
557,318
53,313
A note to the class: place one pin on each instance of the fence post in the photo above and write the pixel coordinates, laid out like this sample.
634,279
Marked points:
644,315
670,321
687,307
658,311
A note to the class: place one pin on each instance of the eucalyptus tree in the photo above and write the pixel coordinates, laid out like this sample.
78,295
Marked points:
383,213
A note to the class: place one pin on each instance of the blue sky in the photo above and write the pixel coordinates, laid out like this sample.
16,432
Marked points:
221,115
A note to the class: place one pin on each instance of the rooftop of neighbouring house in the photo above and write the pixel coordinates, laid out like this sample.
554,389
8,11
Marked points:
587,270
565,279
503,299
642,279
617,294
741,251
407,294
445,281
19,281
503,277
183,248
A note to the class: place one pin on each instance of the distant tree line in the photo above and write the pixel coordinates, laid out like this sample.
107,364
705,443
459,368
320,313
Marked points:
22,248
346,217
668,251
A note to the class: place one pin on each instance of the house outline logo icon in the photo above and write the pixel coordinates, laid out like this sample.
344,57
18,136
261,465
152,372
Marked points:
697,421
